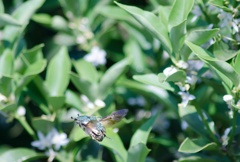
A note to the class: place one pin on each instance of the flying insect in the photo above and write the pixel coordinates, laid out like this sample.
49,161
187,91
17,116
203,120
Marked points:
95,126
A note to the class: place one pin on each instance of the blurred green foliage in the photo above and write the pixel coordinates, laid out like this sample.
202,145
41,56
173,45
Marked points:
174,64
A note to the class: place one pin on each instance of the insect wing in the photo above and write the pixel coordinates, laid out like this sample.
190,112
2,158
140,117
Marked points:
114,117
96,130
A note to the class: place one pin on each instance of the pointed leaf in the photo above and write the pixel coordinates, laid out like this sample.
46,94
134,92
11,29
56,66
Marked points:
236,64
29,74
115,145
177,37
219,66
151,23
85,87
57,78
199,37
6,63
141,135
22,14
6,19
152,79
196,145
138,153
178,76
111,76
6,85
134,52
86,70
20,154
179,12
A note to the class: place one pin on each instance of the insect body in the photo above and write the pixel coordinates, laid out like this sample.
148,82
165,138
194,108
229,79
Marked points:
95,127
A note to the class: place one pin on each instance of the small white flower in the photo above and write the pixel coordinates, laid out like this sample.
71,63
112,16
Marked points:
227,98
115,130
53,139
21,111
43,143
81,39
181,64
186,97
59,139
99,103
97,56
3,98
225,136
192,79
89,104
169,71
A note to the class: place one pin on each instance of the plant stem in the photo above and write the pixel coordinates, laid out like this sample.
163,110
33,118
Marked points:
26,126
235,112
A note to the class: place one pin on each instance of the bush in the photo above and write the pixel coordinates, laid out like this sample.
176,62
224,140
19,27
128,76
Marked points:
174,65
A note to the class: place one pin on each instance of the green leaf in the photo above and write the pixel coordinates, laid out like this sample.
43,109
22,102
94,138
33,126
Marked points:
152,79
57,23
29,74
140,35
57,78
6,63
177,37
86,71
56,101
178,76
37,92
6,19
236,64
1,7
6,85
196,145
73,6
20,154
221,67
34,54
43,125
222,52
190,115
43,19
179,12
115,145
12,107
220,4
73,100
138,153
151,23
87,88
22,14
199,37
141,135
77,134
111,76
118,14
135,54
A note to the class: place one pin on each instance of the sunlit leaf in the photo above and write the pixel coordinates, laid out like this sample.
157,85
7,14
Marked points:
196,145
